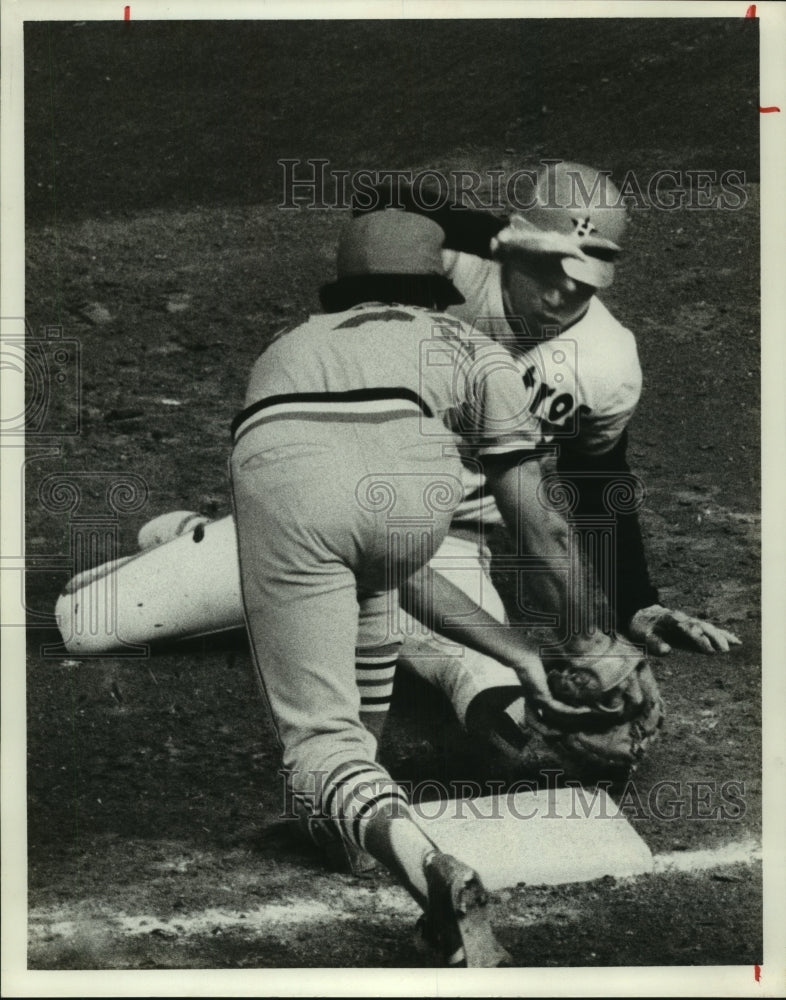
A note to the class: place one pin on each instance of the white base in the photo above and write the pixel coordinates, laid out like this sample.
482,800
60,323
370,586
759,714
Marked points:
549,837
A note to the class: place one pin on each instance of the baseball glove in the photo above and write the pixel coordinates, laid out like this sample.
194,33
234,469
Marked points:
625,710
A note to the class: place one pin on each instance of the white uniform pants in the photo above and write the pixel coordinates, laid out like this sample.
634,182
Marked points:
459,672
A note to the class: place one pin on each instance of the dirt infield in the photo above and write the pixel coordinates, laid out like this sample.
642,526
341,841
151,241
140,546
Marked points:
155,241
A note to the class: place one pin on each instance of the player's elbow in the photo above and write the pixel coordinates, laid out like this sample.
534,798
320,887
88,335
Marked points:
543,532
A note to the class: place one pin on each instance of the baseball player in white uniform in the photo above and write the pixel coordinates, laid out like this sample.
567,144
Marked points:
518,276
346,472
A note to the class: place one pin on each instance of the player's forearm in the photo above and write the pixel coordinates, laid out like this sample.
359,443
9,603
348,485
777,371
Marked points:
629,586
440,604
444,607
634,589
560,579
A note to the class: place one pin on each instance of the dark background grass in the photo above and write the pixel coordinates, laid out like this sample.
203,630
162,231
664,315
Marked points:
125,116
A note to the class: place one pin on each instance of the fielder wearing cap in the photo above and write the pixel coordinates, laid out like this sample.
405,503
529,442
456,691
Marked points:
379,262
352,425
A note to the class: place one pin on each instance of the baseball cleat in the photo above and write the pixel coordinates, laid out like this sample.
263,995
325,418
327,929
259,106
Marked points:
456,922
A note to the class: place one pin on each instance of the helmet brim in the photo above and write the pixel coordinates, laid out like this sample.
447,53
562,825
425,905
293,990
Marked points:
589,270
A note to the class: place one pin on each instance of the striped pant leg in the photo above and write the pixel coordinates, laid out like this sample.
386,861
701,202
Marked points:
459,672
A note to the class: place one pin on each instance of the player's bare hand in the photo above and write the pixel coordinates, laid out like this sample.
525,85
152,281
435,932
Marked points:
661,628
537,692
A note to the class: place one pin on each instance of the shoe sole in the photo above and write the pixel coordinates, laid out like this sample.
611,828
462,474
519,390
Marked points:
481,948
466,903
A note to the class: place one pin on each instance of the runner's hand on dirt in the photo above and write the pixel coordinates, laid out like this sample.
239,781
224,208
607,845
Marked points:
659,628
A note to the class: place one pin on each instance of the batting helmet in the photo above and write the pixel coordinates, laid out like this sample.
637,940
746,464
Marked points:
577,213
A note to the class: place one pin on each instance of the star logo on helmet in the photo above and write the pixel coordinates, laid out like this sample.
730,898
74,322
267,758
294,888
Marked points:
583,227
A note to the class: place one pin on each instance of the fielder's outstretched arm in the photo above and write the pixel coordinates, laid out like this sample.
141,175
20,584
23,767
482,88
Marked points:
440,604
